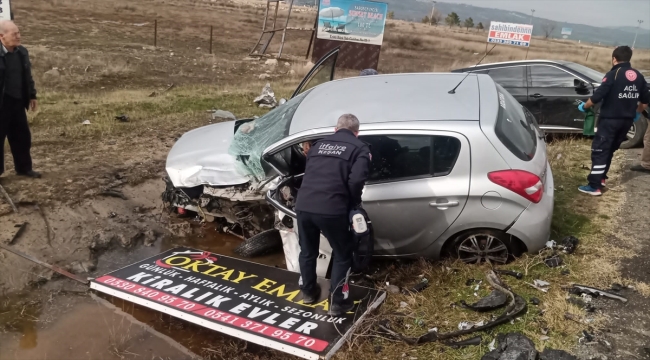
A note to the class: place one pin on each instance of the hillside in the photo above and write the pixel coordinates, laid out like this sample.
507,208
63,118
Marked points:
413,10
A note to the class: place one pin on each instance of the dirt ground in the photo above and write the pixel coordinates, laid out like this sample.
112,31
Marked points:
94,60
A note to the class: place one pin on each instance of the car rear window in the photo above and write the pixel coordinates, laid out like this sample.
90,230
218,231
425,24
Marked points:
513,128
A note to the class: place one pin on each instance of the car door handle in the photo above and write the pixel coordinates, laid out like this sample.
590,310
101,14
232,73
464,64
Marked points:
537,95
444,205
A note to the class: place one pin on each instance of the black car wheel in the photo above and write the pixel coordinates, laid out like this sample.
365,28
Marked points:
481,246
636,133
266,242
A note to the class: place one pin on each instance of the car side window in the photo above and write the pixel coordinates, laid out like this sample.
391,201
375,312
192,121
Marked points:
403,157
514,76
550,76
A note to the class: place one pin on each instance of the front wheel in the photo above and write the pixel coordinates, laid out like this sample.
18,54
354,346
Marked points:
636,134
479,246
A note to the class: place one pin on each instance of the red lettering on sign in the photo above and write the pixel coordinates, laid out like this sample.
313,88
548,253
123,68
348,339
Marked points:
214,315
510,36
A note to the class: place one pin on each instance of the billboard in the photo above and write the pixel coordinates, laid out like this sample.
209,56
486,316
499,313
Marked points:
510,34
256,303
352,21
566,31
5,10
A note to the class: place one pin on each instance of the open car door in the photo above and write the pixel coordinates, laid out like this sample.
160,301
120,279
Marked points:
321,73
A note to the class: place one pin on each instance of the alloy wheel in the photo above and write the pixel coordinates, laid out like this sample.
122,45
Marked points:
632,133
479,248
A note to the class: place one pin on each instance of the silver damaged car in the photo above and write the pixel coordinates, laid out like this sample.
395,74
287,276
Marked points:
459,173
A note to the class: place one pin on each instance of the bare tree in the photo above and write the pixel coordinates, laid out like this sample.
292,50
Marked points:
548,28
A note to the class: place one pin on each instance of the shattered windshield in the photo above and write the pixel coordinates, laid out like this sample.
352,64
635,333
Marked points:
253,137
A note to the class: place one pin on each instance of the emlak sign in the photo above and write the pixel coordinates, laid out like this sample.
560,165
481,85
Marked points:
250,301
510,34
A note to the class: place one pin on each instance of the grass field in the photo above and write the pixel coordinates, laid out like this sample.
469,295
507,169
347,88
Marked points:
107,66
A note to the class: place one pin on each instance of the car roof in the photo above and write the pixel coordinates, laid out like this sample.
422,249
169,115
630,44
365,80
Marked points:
390,98
518,62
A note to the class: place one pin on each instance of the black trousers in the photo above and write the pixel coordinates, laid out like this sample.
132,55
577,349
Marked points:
337,231
13,126
609,137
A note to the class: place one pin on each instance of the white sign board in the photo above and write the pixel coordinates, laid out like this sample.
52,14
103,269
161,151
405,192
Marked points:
5,10
510,34
566,31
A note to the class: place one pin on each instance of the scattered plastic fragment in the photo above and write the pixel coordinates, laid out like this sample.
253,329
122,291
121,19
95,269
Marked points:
495,300
534,301
553,261
475,341
581,289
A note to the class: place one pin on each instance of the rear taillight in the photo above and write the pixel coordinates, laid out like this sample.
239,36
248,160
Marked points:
520,182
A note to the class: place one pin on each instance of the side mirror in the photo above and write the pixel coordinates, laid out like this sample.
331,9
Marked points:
579,84
282,101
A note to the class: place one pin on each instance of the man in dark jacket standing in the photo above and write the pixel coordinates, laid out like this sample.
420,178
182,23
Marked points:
336,172
624,94
17,95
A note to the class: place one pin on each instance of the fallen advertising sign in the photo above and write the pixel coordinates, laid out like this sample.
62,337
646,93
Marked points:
250,301
510,34
5,10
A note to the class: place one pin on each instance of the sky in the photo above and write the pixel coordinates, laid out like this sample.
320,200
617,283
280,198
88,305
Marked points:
589,12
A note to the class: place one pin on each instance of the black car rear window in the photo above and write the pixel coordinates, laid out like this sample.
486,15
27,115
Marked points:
513,128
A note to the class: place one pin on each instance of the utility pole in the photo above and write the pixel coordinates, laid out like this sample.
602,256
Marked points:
532,11
637,33
433,9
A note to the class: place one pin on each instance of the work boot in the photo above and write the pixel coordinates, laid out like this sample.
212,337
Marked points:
639,168
311,297
31,174
339,309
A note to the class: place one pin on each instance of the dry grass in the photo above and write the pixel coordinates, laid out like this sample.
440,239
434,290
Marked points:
439,48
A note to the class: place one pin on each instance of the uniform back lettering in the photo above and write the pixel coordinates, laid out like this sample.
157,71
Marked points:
340,150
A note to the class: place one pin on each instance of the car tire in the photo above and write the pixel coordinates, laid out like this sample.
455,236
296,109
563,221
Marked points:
502,247
266,242
639,129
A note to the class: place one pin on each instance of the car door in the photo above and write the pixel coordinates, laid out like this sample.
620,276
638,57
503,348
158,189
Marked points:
322,72
553,97
418,186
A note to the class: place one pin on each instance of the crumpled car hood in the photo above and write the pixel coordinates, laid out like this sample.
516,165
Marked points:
200,157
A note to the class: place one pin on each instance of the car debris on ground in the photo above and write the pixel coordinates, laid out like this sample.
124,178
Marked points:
514,346
516,307
581,289
222,114
266,98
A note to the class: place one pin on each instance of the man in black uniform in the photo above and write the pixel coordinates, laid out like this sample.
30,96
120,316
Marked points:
336,172
16,95
624,95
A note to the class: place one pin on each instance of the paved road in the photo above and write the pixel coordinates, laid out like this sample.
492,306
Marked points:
629,328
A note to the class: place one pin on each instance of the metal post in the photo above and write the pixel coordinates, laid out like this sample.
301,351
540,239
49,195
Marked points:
433,8
211,39
587,57
532,11
636,33
528,48
155,33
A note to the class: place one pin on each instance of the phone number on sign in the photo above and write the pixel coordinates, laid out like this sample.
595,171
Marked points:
215,315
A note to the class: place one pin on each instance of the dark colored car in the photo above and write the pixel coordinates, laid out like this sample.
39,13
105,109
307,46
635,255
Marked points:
551,91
